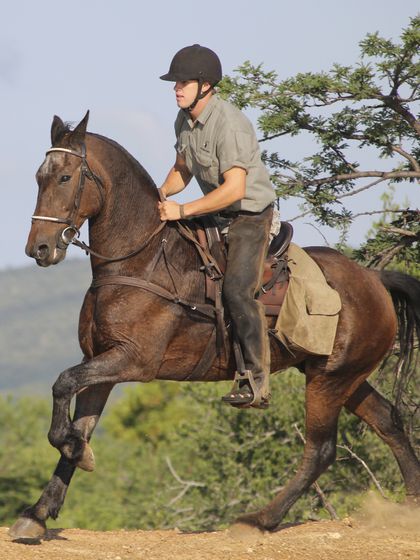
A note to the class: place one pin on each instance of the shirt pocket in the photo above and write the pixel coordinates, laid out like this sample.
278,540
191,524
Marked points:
206,168
183,150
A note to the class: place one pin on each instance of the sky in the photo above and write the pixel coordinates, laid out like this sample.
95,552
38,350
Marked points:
106,56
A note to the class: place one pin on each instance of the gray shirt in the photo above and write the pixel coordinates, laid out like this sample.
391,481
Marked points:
221,138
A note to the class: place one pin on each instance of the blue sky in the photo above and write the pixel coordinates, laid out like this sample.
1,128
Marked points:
64,58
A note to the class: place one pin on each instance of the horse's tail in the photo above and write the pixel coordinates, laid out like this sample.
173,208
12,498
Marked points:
405,293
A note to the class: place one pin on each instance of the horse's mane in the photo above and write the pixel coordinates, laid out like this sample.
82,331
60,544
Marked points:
133,161
69,127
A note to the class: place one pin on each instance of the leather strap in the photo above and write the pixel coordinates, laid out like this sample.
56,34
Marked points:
203,308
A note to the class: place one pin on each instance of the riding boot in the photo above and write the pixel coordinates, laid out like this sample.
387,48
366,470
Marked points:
247,247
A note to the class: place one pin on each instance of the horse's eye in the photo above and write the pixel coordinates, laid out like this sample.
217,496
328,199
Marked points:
65,178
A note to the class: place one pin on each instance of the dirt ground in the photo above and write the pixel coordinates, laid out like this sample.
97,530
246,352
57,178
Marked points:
380,532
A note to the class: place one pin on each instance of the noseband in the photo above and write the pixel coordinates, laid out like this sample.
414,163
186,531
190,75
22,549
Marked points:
69,233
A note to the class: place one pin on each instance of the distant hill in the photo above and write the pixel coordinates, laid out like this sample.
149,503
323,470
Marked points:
39,311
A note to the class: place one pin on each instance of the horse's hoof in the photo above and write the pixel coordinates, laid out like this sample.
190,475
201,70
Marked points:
27,528
87,460
251,519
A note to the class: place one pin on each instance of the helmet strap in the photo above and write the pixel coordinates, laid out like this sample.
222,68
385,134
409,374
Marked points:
200,95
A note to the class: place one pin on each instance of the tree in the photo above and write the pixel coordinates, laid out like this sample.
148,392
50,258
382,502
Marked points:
370,106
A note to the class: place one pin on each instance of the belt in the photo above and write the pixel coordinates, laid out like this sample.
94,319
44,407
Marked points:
231,215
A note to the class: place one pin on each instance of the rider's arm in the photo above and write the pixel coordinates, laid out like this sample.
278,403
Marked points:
177,179
231,190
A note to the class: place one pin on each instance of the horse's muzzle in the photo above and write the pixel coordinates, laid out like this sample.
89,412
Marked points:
44,254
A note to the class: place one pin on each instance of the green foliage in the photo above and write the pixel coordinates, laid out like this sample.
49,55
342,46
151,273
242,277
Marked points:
399,238
393,239
368,106
159,408
26,457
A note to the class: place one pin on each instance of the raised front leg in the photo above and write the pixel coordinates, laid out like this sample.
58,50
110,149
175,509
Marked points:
70,438
31,524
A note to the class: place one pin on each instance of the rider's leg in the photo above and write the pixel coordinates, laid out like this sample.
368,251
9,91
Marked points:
248,240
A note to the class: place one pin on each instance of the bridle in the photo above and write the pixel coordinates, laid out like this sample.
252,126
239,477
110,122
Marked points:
70,233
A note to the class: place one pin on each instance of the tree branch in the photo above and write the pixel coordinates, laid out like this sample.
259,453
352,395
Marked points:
389,211
320,233
411,159
349,176
364,464
185,484
360,189
393,103
382,259
399,231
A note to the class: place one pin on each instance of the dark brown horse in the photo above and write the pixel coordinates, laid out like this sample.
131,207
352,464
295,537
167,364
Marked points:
132,334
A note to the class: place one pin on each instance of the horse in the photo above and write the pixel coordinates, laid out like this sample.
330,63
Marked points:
132,333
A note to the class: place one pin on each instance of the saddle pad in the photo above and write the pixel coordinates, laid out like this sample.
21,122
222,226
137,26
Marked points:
309,315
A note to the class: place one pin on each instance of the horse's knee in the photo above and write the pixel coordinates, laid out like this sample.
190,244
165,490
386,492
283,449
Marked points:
63,386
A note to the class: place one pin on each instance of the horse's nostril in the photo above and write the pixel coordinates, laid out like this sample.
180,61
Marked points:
42,251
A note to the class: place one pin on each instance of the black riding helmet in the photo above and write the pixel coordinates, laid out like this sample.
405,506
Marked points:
195,63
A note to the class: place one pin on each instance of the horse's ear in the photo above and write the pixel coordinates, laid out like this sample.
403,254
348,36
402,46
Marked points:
58,129
80,130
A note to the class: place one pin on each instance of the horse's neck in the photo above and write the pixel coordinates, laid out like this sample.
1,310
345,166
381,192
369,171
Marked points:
129,213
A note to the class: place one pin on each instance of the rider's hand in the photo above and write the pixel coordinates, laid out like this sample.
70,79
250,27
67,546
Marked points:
169,210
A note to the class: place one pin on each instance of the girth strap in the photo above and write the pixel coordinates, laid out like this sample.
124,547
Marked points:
203,308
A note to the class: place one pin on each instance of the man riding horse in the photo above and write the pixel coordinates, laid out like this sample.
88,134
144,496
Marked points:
216,144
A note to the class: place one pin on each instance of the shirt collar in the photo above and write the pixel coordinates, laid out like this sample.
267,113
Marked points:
205,113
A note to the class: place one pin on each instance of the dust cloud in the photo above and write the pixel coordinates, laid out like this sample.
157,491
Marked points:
380,514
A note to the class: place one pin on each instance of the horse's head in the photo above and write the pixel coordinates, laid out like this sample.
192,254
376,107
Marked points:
69,193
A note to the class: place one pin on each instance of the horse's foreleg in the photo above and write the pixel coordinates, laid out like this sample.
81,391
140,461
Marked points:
322,411
105,370
383,418
90,403
31,524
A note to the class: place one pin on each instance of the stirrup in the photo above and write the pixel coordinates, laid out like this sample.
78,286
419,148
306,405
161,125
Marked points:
245,392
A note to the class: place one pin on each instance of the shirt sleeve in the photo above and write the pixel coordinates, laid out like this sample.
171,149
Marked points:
235,149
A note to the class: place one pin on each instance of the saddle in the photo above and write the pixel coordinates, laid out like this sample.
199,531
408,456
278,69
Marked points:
213,250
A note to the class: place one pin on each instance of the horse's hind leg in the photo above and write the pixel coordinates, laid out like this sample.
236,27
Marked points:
383,418
31,523
324,400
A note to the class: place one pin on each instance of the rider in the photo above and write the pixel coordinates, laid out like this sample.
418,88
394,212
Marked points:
217,145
